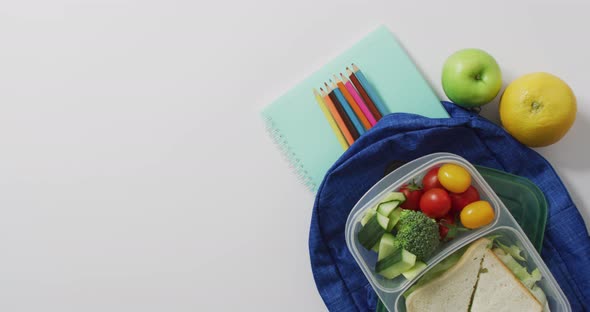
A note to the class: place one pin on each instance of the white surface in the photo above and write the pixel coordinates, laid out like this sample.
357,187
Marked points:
136,174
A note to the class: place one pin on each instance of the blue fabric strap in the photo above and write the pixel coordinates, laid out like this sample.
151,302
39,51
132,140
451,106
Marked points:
404,137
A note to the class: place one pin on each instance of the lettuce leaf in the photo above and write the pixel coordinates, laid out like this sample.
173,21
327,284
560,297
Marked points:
513,250
528,279
492,239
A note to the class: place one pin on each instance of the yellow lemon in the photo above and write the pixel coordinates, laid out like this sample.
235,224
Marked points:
538,109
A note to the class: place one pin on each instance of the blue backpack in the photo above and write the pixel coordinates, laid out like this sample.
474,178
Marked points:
405,137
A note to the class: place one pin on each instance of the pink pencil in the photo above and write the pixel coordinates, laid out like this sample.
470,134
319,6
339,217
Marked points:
359,100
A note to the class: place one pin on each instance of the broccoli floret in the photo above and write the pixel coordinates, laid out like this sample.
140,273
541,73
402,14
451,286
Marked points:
417,233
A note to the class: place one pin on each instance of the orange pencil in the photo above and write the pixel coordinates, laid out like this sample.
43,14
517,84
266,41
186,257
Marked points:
353,103
337,117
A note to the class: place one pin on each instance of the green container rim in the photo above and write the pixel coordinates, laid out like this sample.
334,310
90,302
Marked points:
534,189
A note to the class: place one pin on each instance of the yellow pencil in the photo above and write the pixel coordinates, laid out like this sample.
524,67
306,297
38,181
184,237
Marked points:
330,119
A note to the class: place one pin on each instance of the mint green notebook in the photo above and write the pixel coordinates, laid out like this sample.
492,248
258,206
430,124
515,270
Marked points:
301,130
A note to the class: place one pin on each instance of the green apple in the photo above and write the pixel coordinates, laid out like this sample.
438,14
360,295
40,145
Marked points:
471,77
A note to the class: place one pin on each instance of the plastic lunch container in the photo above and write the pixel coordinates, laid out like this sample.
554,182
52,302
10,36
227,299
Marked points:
524,200
390,291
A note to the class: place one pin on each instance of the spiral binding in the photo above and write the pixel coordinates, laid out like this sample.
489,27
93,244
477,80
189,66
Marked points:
294,162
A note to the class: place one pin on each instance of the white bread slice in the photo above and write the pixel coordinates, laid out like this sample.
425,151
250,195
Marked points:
498,290
453,289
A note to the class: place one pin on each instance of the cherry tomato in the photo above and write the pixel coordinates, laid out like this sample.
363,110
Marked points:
454,178
444,225
458,201
477,214
435,203
413,192
430,180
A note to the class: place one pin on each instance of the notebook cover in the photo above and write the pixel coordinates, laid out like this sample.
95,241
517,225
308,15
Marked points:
299,127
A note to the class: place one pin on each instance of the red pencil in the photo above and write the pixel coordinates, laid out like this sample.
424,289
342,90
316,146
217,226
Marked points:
364,95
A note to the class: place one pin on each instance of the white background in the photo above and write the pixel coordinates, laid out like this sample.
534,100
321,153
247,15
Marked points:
135,172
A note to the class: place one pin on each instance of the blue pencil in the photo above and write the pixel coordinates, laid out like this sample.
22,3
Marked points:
353,117
370,90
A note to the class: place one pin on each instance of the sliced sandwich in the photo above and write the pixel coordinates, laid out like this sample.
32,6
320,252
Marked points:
498,290
478,282
453,289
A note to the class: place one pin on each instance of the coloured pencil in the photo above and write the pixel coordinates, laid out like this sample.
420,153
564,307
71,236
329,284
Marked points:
364,95
348,109
342,112
330,119
370,90
355,107
357,98
337,117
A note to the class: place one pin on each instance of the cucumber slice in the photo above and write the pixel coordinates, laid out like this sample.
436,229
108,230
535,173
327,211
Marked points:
387,208
376,247
395,264
415,270
393,218
387,246
398,196
382,220
371,233
390,260
368,215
